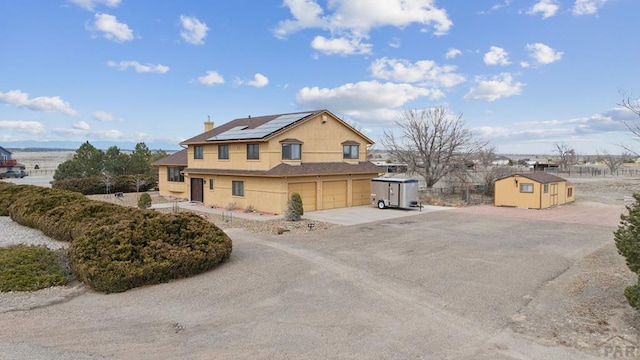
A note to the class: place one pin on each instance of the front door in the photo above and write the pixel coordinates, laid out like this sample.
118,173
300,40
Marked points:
197,189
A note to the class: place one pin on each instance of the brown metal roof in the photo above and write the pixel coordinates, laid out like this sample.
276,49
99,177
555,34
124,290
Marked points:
305,169
541,177
177,159
249,122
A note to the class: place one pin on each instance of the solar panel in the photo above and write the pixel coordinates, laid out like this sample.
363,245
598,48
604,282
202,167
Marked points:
241,132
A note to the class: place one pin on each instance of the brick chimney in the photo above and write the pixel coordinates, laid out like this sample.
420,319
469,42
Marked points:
208,125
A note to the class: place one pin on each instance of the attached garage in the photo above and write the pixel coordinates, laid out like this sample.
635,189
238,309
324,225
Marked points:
334,194
361,192
307,192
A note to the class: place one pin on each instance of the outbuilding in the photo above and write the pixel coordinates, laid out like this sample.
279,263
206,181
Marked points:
535,190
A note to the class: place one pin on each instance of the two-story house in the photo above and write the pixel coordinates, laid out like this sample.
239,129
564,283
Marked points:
5,159
258,162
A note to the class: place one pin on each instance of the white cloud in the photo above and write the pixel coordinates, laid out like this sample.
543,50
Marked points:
140,68
452,53
90,5
340,46
424,72
111,28
82,125
21,99
28,127
547,8
496,56
362,96
543,54
211,78
497,87
105,116
193,30
587,7
258,81
352,20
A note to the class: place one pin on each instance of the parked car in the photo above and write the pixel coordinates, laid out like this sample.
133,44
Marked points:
13,174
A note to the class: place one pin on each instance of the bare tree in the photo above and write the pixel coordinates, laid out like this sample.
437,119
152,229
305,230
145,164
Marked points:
433,143
633,126
486,155
613,162
566,154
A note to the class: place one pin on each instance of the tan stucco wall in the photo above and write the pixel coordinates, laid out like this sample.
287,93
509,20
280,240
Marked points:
170,188
314,134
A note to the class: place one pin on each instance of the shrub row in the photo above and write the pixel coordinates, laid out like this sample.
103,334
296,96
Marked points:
30,268
96,184
116,248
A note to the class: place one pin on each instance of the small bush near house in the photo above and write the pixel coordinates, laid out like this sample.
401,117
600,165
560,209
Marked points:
30,268
627,239
144,202
294,208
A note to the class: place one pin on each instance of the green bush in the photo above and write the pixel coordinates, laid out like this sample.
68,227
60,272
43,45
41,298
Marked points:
294,208
30,268
148,248
115,248
96,184
627,239
144,202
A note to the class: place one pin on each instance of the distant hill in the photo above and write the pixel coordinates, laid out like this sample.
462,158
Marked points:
34,145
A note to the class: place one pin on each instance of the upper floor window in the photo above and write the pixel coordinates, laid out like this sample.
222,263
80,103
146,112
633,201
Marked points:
291,151
350,151
253,151
223,152
174,174
198,152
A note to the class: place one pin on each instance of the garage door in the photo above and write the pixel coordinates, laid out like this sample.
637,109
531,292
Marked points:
307,192
334,194
361,192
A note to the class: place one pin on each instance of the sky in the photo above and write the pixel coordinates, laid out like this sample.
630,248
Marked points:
524,74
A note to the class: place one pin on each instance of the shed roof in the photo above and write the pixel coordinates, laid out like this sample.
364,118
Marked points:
541,177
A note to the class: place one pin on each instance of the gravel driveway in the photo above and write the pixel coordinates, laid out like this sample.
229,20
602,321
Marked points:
446,285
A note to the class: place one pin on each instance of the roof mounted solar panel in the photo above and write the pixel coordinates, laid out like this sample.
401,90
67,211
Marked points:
242,133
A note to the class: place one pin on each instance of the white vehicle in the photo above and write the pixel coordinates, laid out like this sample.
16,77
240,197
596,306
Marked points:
394,192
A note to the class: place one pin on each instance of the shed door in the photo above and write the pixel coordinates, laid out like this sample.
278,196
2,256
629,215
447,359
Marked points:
197,189
553,190
334,194
361,192
307,192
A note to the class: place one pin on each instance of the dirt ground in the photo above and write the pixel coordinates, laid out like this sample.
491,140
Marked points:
582,309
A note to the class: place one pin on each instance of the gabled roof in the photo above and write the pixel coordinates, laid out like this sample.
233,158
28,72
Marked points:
5,150
178,159
258,128
305,169
541,177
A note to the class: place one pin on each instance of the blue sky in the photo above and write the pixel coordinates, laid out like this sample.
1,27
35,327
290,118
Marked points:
525,74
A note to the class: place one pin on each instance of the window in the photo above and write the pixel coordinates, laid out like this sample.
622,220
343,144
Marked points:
223,152
253,151
174,174
569,192
198,152
210,184
546,188
291,151
350,151
526,188
237,188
